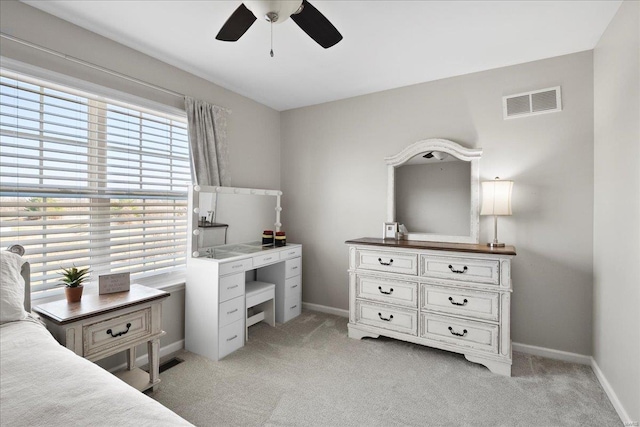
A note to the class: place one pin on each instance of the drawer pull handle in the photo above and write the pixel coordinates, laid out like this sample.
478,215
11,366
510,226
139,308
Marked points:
294,267
464,302
232,287
292,307
236,266
232,311
232,338
294,286
385,263
387,319
464,332
383,292
110,332
453,270
268,258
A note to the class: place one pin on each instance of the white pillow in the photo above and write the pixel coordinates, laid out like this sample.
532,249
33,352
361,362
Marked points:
11,288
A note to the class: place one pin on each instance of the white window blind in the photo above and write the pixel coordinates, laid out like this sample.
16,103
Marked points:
90,182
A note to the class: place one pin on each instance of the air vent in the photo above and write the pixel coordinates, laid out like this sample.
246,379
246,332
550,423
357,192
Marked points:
532,103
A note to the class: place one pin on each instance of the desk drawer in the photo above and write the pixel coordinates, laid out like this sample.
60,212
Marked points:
293,267
235,266
293,287
231,286
116,332
387,317
390,262
388,291
231,311
464,333
461,269
293,252
231,338
463,302
265,259
292,307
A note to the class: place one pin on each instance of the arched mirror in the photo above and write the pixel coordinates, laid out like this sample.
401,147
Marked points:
433,190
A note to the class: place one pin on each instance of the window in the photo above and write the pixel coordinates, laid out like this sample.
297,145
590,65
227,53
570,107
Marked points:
90,182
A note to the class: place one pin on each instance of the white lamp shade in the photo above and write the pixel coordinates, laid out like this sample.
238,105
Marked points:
496,197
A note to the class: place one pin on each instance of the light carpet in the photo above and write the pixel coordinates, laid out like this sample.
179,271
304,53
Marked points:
307,372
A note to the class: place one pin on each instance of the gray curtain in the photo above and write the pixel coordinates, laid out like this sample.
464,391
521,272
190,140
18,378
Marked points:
208,142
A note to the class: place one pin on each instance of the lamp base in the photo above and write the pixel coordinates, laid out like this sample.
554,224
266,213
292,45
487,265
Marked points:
496,245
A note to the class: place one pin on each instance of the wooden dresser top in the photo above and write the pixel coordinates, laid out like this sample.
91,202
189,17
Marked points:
415,244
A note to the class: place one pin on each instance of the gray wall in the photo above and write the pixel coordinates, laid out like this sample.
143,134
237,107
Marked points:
616,254
334,181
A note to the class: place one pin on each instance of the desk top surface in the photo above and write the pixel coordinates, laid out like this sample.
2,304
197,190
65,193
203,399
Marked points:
224,252
63,312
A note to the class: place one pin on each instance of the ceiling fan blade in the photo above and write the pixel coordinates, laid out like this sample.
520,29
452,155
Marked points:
317,26
237,24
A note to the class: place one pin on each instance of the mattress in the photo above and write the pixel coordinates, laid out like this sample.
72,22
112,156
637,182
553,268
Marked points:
44,384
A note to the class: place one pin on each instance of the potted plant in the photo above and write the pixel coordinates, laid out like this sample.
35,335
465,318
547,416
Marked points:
72,279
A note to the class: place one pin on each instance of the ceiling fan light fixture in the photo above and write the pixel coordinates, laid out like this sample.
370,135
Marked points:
266,9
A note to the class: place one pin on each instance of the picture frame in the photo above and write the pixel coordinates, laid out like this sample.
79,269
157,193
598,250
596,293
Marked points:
390,230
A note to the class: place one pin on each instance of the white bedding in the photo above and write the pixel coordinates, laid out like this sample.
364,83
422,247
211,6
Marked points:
44,384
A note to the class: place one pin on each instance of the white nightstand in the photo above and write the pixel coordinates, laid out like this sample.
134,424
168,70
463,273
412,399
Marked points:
103,325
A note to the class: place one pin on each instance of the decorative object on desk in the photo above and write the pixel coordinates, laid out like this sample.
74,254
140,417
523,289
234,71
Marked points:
496,200
267,238
73,279
112,283
280,239
390,230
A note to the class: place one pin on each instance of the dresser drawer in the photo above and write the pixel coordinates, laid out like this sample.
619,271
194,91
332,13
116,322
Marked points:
461,269
292,307
230,338
386,290
293,267
293,287
235,266
464,333
387,317
391,262
477,304
293,252
231,311
265,259
231,286
116,332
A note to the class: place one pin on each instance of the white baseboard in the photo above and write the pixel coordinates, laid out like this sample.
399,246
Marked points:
613,397
552,354
326,309
143,360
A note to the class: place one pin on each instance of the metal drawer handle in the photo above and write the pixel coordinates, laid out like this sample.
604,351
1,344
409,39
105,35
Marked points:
453,270
294,267
464,302
291,308
464,332
294,286
383,292
385,263
236,266
386,320
291,253
232,338
268,258
232,287
232,311
110,332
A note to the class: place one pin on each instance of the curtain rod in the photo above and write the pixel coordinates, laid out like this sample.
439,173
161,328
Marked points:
90,65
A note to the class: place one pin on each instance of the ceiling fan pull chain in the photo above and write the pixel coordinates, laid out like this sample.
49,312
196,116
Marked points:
271,53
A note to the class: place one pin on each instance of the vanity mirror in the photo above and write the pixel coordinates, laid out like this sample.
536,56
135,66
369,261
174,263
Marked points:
433,190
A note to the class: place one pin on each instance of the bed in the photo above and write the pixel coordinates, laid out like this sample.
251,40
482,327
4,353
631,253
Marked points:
44,384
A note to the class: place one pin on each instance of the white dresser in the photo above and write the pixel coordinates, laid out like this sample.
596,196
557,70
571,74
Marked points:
451,296
215,309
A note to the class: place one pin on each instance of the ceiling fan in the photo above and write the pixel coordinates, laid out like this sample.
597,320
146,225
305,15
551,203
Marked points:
302,12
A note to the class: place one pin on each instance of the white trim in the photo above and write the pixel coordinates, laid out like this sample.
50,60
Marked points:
611,394
143,360
326,309
552,354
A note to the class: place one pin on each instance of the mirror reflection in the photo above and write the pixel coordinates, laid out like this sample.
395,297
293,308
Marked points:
433,194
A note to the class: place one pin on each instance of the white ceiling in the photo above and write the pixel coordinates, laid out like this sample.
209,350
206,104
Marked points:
387,44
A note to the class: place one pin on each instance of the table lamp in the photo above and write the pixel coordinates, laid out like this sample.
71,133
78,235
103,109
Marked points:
496,200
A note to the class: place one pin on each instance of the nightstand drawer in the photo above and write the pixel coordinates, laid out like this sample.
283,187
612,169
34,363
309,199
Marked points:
116,332
390,262
461,269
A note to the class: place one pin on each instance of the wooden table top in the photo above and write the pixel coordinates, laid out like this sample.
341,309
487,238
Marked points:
63,312
415,244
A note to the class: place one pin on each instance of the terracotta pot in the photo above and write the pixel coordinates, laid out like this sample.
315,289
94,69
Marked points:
73,294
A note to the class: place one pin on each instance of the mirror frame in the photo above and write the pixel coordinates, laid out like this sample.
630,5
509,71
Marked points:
456,150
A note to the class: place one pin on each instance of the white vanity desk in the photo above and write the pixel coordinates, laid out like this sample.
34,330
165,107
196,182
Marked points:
215,295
